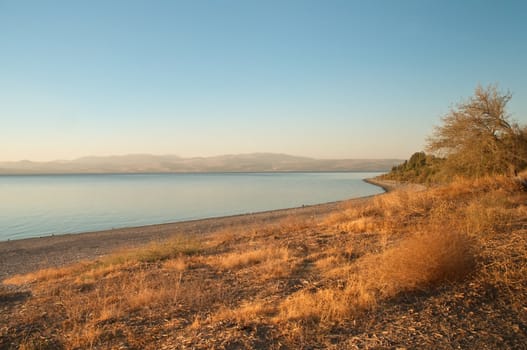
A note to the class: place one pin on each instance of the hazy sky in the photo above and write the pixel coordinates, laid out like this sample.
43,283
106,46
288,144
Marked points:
357,79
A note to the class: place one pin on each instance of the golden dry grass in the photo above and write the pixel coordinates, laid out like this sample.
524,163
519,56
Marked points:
420,262
237,259
415,263
244,314
296,278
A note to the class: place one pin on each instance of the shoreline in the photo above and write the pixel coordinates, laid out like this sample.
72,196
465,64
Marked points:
30,254
194,172
386,185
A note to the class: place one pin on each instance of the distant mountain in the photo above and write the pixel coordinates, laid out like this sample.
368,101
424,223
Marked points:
146,163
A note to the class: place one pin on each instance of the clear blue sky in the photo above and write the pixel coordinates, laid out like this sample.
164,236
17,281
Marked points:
330,79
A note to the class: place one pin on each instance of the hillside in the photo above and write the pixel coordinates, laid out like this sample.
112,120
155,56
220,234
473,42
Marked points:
440,268
144,163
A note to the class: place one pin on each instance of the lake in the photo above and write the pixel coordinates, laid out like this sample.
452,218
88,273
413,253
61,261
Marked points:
41,205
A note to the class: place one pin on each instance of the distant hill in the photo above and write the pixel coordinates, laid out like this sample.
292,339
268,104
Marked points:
146,163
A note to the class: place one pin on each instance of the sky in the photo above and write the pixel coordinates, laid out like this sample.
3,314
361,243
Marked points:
326,79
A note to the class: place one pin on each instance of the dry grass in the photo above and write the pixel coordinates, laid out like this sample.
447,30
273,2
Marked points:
92,270
245,314
420,262
430,238
237,260
416,263
290,283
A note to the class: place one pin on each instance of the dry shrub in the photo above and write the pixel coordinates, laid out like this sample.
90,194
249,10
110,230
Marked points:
417,263
420,262
445,232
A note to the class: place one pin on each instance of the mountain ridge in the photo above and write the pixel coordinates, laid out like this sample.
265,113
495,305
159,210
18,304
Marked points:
147,163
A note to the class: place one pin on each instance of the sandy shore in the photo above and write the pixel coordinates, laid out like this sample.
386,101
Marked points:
26,255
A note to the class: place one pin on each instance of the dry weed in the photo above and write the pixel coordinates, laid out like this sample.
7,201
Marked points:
237,260
419,262
415,241
247,313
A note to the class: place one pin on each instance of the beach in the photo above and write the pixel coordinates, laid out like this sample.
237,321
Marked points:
384,271
27,255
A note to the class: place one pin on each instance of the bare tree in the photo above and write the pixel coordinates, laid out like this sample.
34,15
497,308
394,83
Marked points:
478,138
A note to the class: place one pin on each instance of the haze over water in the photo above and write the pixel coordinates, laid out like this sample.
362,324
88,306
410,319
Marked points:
33,206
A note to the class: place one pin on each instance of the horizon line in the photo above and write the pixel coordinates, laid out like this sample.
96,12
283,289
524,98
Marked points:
198,156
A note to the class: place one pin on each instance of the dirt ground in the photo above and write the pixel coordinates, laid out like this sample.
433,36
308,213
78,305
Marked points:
27,255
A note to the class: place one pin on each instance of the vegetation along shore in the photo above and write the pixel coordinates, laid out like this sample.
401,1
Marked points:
438,265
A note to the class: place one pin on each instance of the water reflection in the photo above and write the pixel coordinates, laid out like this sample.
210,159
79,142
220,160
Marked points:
43,205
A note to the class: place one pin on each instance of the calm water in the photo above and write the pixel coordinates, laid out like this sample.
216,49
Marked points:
32,206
